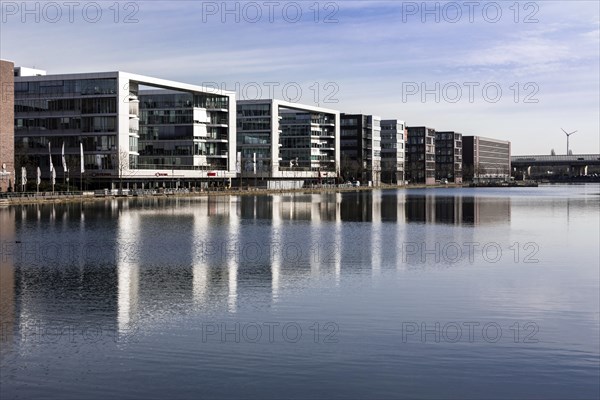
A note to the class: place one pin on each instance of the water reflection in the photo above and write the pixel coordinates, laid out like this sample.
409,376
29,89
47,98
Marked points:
7,281
158,255
162,267
128,270
456,210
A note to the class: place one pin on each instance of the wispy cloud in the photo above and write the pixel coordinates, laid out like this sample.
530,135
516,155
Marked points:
368,53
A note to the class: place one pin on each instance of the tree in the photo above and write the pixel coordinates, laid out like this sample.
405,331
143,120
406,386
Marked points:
74,168
121,159
350,169
570,152
552,152
376,175
479,171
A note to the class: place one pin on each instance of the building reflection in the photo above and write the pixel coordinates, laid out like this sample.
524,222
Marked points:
457,210
376,235
51,276
7,281
128,269
478,211
142,259
233,256
356,207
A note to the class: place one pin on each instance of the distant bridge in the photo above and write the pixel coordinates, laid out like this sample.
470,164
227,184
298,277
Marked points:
546,166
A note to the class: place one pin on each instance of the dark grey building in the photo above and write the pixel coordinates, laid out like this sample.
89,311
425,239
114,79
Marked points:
448,156
420,155
393,139
360,146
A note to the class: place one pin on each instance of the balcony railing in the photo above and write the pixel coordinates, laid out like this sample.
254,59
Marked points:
306,169
219,121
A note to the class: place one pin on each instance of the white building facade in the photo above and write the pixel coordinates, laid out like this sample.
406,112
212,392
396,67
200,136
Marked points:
187,135
280,140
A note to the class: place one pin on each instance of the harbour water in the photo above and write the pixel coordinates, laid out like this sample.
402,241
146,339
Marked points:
425,293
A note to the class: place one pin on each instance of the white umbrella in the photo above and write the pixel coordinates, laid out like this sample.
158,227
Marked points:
50,155
64,162
23,176
81,157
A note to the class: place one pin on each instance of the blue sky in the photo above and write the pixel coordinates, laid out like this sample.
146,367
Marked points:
373,57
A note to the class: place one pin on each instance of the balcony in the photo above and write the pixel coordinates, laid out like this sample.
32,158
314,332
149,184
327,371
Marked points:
216,107
222,154
222,122
216,137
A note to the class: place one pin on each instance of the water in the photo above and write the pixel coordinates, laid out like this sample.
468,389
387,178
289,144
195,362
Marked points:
446,293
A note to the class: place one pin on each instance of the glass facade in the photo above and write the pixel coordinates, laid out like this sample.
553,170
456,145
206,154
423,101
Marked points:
361,155
307,141
167,129
448,156
254,136
68,88
59,111
420,155
180,130
392,151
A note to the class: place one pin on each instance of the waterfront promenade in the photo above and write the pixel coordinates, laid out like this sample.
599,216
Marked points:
86,196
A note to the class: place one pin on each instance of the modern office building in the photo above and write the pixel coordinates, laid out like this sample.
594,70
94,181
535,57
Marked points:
361,148
393,139
136,131
485,159
7,135
420,155
279,140
448,156
183,129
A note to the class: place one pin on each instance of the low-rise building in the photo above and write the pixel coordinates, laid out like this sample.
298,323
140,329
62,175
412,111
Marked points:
448,156
361,148
486,159
393,139
7,155
420,155
135,131
283,141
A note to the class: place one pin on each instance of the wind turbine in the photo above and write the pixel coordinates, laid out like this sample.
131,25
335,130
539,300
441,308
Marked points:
568,134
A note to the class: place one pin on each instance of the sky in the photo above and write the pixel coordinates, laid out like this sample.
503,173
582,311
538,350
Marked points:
510,70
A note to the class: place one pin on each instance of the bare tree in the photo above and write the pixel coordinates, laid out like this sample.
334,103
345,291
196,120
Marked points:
376,173
351,168
121,159
479,171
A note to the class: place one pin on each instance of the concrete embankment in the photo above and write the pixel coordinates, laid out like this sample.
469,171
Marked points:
48,198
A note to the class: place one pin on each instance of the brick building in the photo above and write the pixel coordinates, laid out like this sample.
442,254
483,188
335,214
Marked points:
7,123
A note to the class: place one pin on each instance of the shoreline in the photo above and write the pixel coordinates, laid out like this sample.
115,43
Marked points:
86,197
46,198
